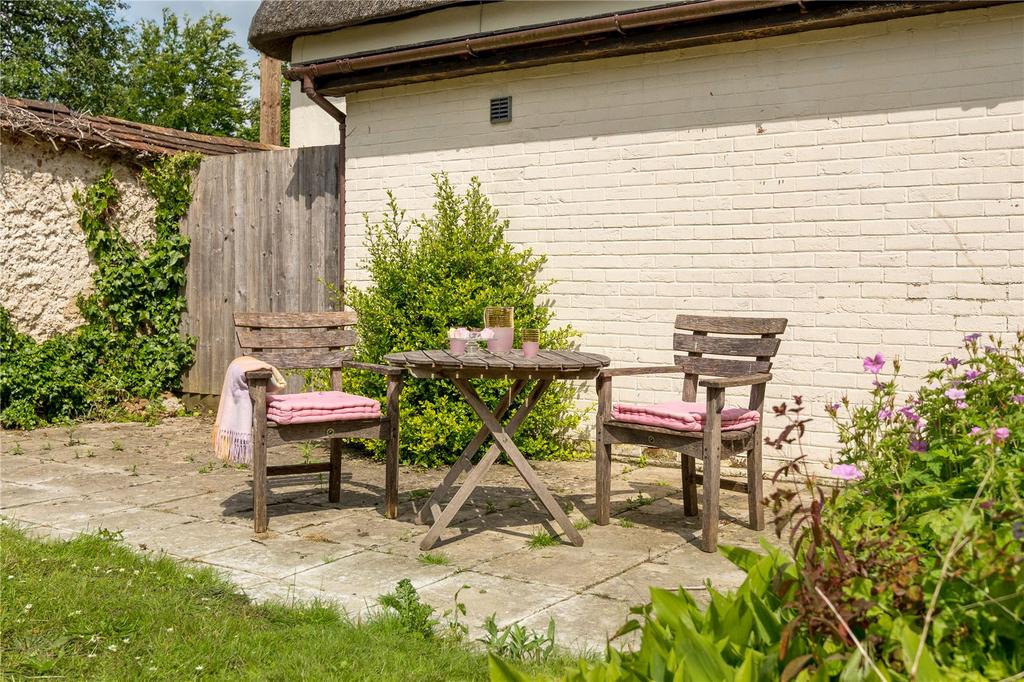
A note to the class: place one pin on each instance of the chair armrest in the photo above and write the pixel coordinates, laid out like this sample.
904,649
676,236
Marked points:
386,370
258,375
638,371
726,382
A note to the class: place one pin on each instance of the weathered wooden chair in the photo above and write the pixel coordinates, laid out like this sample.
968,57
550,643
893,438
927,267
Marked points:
312,341
710,443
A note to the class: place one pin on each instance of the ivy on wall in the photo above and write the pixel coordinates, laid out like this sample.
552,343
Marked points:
130,345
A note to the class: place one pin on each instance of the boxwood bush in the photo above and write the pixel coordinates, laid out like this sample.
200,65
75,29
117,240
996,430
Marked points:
437,272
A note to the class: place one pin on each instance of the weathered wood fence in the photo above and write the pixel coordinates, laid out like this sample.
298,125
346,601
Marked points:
265,237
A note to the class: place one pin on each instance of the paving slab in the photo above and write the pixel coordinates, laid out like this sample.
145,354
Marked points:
368,574
583,623
189,540
278,556
72,513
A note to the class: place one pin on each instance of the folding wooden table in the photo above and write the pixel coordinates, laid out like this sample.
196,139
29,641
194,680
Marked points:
543,369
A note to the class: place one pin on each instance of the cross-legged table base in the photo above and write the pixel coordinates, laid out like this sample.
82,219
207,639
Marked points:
503,442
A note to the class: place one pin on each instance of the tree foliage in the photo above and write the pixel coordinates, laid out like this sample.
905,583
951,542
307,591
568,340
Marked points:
65,51
179,72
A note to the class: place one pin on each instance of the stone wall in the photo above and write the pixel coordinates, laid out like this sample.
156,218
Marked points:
44,264
864,182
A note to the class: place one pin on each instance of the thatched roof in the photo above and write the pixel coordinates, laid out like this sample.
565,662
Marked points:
57,124
278,22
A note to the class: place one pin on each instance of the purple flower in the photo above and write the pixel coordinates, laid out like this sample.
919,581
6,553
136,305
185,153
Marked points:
972,374
885,413
975,431
971,338
1019,399
918,445
908,412
961,405
991,349
952,362
847,472
1001,434
955,394
874,364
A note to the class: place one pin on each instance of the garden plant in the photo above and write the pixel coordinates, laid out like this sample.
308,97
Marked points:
913,569
439,272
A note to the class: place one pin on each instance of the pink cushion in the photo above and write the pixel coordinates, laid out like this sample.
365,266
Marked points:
321,406
682,416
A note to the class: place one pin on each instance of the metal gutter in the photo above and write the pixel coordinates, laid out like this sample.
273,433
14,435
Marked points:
475,46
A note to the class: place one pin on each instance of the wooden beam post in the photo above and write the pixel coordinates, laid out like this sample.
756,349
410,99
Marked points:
270,100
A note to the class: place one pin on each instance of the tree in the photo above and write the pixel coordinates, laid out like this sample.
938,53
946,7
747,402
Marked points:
65,51
187,74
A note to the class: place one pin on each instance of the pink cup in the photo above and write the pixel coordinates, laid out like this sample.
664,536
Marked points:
457,346
502,341
530,348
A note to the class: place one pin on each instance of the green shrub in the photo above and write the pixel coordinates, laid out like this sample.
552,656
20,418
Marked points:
914,570
442,276
130,345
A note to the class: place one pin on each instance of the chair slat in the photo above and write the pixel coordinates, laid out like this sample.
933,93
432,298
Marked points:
345,318
721,367
731,325
295,338
724,345
304,359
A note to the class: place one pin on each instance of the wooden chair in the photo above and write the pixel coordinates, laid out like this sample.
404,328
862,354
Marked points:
312,341
711,444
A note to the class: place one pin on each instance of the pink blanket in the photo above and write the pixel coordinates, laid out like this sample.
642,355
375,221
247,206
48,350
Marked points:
322,406
682,416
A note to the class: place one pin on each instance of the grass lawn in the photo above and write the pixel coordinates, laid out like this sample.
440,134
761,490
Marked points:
91,608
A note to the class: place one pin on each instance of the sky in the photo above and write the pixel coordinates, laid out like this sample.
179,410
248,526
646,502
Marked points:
239,11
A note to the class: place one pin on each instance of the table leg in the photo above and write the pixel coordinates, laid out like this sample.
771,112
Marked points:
503,439
465,461
442,519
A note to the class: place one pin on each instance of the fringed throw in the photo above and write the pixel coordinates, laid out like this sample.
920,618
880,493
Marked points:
232,432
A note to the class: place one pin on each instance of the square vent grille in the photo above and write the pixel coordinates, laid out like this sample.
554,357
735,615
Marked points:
501,109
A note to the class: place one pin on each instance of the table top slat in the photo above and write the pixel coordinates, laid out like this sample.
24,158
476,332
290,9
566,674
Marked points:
552,364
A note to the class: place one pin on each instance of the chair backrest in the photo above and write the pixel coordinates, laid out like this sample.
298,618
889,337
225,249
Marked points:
297,340
748,344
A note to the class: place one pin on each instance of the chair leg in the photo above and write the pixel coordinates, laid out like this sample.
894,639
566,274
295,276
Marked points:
755,487
259,484
391,472
603,458
334,482
689,467
712,458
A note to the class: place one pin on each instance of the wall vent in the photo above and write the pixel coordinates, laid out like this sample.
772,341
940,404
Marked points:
501,109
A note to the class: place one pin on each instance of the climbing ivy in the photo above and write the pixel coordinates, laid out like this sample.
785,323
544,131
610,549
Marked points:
130,345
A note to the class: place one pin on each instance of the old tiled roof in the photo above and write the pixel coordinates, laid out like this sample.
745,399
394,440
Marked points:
278,22
56,123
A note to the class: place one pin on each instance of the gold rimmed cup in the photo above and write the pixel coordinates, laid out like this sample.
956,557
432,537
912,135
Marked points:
531,342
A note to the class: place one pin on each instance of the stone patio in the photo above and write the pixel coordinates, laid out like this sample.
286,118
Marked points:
161,487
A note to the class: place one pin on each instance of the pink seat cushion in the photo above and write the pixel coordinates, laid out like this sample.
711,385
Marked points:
322,406
682,416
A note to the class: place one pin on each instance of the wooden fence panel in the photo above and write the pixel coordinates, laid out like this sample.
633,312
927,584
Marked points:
264,235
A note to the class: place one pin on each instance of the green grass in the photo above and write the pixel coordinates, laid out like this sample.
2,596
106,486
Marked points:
541,538
91,608
626,523
434,559
582,523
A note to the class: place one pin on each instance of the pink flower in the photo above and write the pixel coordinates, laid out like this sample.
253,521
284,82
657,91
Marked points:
884,414
874,364
955,394
1001,434
847,472
961,405
972,374
976,431
908,412
917,445
1019,399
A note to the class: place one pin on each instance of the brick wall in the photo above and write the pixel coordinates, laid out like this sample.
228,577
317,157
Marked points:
864,182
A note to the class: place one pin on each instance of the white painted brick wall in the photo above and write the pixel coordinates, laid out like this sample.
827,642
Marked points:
865,182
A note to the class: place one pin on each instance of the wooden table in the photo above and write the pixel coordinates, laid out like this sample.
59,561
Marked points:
543,369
